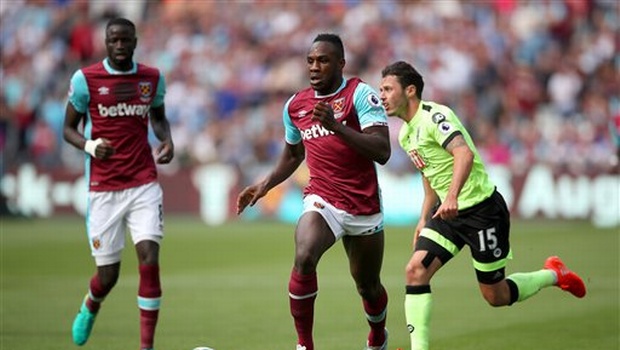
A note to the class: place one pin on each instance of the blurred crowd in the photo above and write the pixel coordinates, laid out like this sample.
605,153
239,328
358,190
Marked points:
535,81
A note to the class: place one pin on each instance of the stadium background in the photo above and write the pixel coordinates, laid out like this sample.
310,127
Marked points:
536,82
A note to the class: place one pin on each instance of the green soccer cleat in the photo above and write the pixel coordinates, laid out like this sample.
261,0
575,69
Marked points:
82,325
383,346
566,279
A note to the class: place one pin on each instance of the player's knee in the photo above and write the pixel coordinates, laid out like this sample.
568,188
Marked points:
369,290
305,262
108,275
148,252
415,273
417,270
495,299
108,280
149,259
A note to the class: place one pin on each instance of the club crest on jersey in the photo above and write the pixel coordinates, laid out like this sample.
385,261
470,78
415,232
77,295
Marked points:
438,118
417,159
96,243
338,105
146,90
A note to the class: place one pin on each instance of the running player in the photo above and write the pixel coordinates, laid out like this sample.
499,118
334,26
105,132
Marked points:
339,127
461,207
115,99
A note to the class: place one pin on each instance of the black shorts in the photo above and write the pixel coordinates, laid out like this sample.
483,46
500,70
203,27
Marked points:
485,228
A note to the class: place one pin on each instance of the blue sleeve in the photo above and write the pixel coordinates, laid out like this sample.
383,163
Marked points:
158,101
291,133
78,92
368,105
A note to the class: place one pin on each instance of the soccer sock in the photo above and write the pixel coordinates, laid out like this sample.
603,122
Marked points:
529,283
149,299
96,294
376,312
302,291
418,304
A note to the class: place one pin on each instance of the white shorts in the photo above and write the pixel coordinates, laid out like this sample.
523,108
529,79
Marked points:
139,209
341,222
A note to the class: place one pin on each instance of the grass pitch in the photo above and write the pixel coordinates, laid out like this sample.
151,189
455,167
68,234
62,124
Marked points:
226,287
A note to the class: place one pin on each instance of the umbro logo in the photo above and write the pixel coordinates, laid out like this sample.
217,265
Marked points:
104,90
410,328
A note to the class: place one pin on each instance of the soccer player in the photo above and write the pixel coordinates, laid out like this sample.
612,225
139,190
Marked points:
340,128
115,99
461,207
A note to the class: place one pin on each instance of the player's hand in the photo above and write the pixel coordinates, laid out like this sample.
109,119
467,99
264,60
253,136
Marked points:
418,229
164,152
104,150
324,114
448,210
249,196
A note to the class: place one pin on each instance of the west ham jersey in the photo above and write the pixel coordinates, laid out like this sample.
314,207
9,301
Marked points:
117,107
338,173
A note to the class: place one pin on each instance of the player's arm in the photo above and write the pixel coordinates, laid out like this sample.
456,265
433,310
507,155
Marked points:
77,106
463,161
70,127
289,161
291,157
161,129
99,148
373,142
430,200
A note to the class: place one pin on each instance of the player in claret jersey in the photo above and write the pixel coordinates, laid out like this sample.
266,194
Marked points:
115,99
340,128
461,207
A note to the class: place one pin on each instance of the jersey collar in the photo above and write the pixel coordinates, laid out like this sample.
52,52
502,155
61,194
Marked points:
113,71
344,83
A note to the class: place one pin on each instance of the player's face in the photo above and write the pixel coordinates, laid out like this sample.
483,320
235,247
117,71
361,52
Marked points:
120,42
324,67
393,96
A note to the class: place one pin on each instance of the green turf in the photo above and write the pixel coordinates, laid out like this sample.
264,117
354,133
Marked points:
226,287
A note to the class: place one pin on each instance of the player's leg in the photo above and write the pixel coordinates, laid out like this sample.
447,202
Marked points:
313,237
145,222
365,255
106,237
491,249
149,290
487,228
521,286
433,250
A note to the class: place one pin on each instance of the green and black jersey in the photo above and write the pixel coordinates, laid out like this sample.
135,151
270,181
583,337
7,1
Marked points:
427,134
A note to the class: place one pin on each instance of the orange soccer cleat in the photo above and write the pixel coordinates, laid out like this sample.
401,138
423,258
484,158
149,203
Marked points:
566,279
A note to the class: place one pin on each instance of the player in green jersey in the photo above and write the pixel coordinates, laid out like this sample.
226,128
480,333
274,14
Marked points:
461,207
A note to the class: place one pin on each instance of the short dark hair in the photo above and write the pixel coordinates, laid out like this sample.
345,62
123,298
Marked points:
334,39
120,21
406,75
